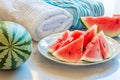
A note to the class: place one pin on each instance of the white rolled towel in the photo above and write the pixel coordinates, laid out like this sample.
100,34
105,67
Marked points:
39,18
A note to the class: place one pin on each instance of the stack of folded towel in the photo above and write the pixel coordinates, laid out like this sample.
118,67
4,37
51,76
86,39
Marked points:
79,8
39,18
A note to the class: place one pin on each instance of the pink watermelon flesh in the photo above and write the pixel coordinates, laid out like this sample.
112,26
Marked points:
89,34
104,45
76,34
65,39
109,25
58,43
93,52
71,52
73,35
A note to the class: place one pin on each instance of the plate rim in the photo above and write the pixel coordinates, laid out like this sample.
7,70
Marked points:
52,58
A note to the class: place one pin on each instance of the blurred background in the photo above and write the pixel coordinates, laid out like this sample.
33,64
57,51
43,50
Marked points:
111,7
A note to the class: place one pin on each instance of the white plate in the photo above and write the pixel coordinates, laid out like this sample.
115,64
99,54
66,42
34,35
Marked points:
47,41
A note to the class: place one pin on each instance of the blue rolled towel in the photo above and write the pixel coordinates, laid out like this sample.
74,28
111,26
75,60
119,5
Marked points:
79,8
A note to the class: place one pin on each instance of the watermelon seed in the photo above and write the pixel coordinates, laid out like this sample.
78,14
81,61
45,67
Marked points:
69,53
88,40
81,49
84,48
103,45
97,49
93,43
117,21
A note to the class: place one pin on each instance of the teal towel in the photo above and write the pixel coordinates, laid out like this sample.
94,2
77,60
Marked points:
79,8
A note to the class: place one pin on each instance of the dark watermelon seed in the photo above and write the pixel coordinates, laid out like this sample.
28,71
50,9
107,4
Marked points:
117,21
69,53
93,43
103,45
97,49
88,40
81,49
84,48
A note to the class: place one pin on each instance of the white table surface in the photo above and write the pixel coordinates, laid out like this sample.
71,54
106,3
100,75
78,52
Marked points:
40,68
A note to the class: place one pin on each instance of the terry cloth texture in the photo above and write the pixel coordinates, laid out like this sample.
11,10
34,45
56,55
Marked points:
39,18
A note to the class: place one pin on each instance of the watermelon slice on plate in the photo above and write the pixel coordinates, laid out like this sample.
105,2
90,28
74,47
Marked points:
45,42
64,39
109,25
104,45
73,35
89,34
98,49
76,34
92,52
71,52
57,44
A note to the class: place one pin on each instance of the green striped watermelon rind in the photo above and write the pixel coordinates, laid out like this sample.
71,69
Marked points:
15,45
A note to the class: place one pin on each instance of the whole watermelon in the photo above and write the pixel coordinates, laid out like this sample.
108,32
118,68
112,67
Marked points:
15,45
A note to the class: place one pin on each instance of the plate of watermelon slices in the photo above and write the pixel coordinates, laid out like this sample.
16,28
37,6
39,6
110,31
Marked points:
62,48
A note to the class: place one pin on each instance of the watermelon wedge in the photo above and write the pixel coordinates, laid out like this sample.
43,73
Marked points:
73,35
92,52
76,34
89,34
58,43
104,45
65,38
71,52
109,25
